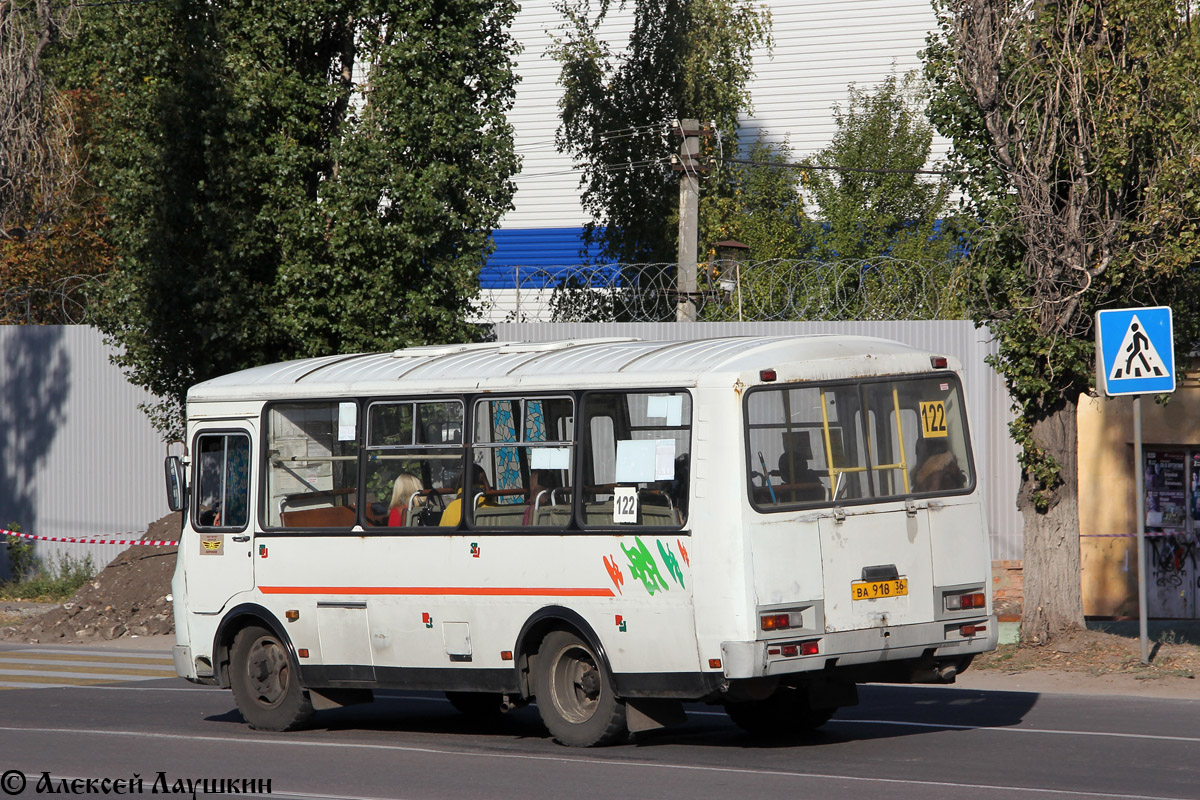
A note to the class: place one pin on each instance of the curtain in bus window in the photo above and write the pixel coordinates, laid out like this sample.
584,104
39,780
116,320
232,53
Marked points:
222,481
414,458
312,465
636,459
523,454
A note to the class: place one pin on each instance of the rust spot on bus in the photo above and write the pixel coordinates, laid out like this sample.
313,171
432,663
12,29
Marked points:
738,387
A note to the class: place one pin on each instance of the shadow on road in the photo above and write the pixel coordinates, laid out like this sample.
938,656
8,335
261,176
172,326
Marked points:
885,712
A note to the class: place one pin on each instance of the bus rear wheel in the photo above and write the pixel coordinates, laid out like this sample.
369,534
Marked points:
265,684
575,693
787,712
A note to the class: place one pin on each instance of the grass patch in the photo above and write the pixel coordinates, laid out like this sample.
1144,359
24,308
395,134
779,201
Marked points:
50,584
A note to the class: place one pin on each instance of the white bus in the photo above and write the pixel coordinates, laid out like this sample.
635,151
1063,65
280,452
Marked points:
608,527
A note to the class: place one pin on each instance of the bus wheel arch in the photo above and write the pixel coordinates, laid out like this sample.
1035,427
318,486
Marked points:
565,667
239,617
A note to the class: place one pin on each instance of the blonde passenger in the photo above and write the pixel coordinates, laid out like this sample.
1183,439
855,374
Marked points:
406,486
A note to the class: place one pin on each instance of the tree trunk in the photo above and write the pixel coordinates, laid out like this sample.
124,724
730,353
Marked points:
1053,602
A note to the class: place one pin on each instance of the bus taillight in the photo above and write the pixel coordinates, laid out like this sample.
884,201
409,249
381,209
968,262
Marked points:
959,602
775,622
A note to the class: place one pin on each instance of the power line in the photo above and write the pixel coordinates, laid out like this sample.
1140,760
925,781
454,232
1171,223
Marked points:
866,170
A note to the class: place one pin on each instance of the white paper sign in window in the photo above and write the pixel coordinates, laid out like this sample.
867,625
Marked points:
347,422
636,460
550,458
665,407
664,460
625,504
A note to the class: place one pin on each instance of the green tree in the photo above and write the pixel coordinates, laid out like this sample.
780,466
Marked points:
1076,128
686,59
867,187
760,206
292,178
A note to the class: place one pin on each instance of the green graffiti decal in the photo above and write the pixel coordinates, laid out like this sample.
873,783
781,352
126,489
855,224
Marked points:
671,563
643,567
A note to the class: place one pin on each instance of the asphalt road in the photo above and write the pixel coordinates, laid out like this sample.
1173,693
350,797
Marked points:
901,742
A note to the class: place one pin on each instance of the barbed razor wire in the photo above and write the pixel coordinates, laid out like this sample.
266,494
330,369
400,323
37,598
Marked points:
727,290
780,290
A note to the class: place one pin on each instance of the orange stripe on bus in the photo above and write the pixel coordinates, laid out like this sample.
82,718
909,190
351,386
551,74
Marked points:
500,591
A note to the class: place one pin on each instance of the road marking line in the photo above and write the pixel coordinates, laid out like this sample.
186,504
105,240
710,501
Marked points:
53,669
600,762
46,655
42,679
1014,729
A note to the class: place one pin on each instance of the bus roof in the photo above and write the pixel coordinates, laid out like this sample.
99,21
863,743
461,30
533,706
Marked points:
499,366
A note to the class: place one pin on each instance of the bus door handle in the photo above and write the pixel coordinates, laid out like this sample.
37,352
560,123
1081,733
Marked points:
242,538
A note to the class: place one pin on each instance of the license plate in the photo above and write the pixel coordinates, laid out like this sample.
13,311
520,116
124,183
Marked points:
870,590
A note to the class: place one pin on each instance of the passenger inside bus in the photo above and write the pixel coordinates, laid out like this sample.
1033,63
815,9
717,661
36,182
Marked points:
406,486
478,483
937,468
800,482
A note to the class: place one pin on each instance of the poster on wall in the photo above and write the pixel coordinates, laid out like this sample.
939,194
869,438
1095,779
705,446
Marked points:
1166,490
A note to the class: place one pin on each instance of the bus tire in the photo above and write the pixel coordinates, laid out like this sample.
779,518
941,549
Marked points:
479,705
575,694
265,682
785,713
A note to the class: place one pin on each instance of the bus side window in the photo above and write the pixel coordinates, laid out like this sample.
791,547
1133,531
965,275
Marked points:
527,445
414,458
637,453
312,465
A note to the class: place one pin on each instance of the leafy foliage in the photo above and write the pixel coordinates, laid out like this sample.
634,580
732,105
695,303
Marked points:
289,179
760,206
1076,131
867,183
685,60
876,210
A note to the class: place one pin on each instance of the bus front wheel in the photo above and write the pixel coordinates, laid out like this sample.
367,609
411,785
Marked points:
787,712
265,685
575,693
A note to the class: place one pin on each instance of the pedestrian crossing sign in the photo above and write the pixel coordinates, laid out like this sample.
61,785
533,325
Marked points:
1135,351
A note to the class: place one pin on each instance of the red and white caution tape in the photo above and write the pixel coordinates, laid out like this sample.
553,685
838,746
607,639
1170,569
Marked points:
75,540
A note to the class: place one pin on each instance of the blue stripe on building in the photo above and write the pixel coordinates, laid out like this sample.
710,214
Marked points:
537,257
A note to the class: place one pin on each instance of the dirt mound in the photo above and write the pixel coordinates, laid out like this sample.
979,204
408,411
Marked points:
1098,653
127,598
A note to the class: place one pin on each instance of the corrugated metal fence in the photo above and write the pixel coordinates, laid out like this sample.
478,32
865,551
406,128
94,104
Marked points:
987,397
77,456
79,459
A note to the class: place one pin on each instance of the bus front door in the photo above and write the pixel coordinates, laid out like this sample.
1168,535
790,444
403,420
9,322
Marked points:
218,542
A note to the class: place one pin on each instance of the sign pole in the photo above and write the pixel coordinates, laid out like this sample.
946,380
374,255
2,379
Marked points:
1135,355
1140,482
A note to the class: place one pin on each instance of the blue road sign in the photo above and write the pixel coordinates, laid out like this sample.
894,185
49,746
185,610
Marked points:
1135,351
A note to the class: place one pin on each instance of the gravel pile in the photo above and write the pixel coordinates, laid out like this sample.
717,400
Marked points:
127,598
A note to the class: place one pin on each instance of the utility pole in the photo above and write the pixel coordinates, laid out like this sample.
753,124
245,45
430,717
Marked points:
688,166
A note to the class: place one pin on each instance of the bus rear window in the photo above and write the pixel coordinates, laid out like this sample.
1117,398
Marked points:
857,442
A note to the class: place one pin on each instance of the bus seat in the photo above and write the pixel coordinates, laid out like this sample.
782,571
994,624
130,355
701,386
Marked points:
510,516
326,517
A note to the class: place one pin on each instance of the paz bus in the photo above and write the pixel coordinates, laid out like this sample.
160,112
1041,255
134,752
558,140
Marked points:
608,528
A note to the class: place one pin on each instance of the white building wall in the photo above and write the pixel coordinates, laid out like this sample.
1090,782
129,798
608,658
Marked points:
820,49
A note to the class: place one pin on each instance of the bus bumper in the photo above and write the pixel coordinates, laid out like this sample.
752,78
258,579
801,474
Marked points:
886,651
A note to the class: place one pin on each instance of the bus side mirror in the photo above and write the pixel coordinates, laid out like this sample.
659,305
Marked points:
176,483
